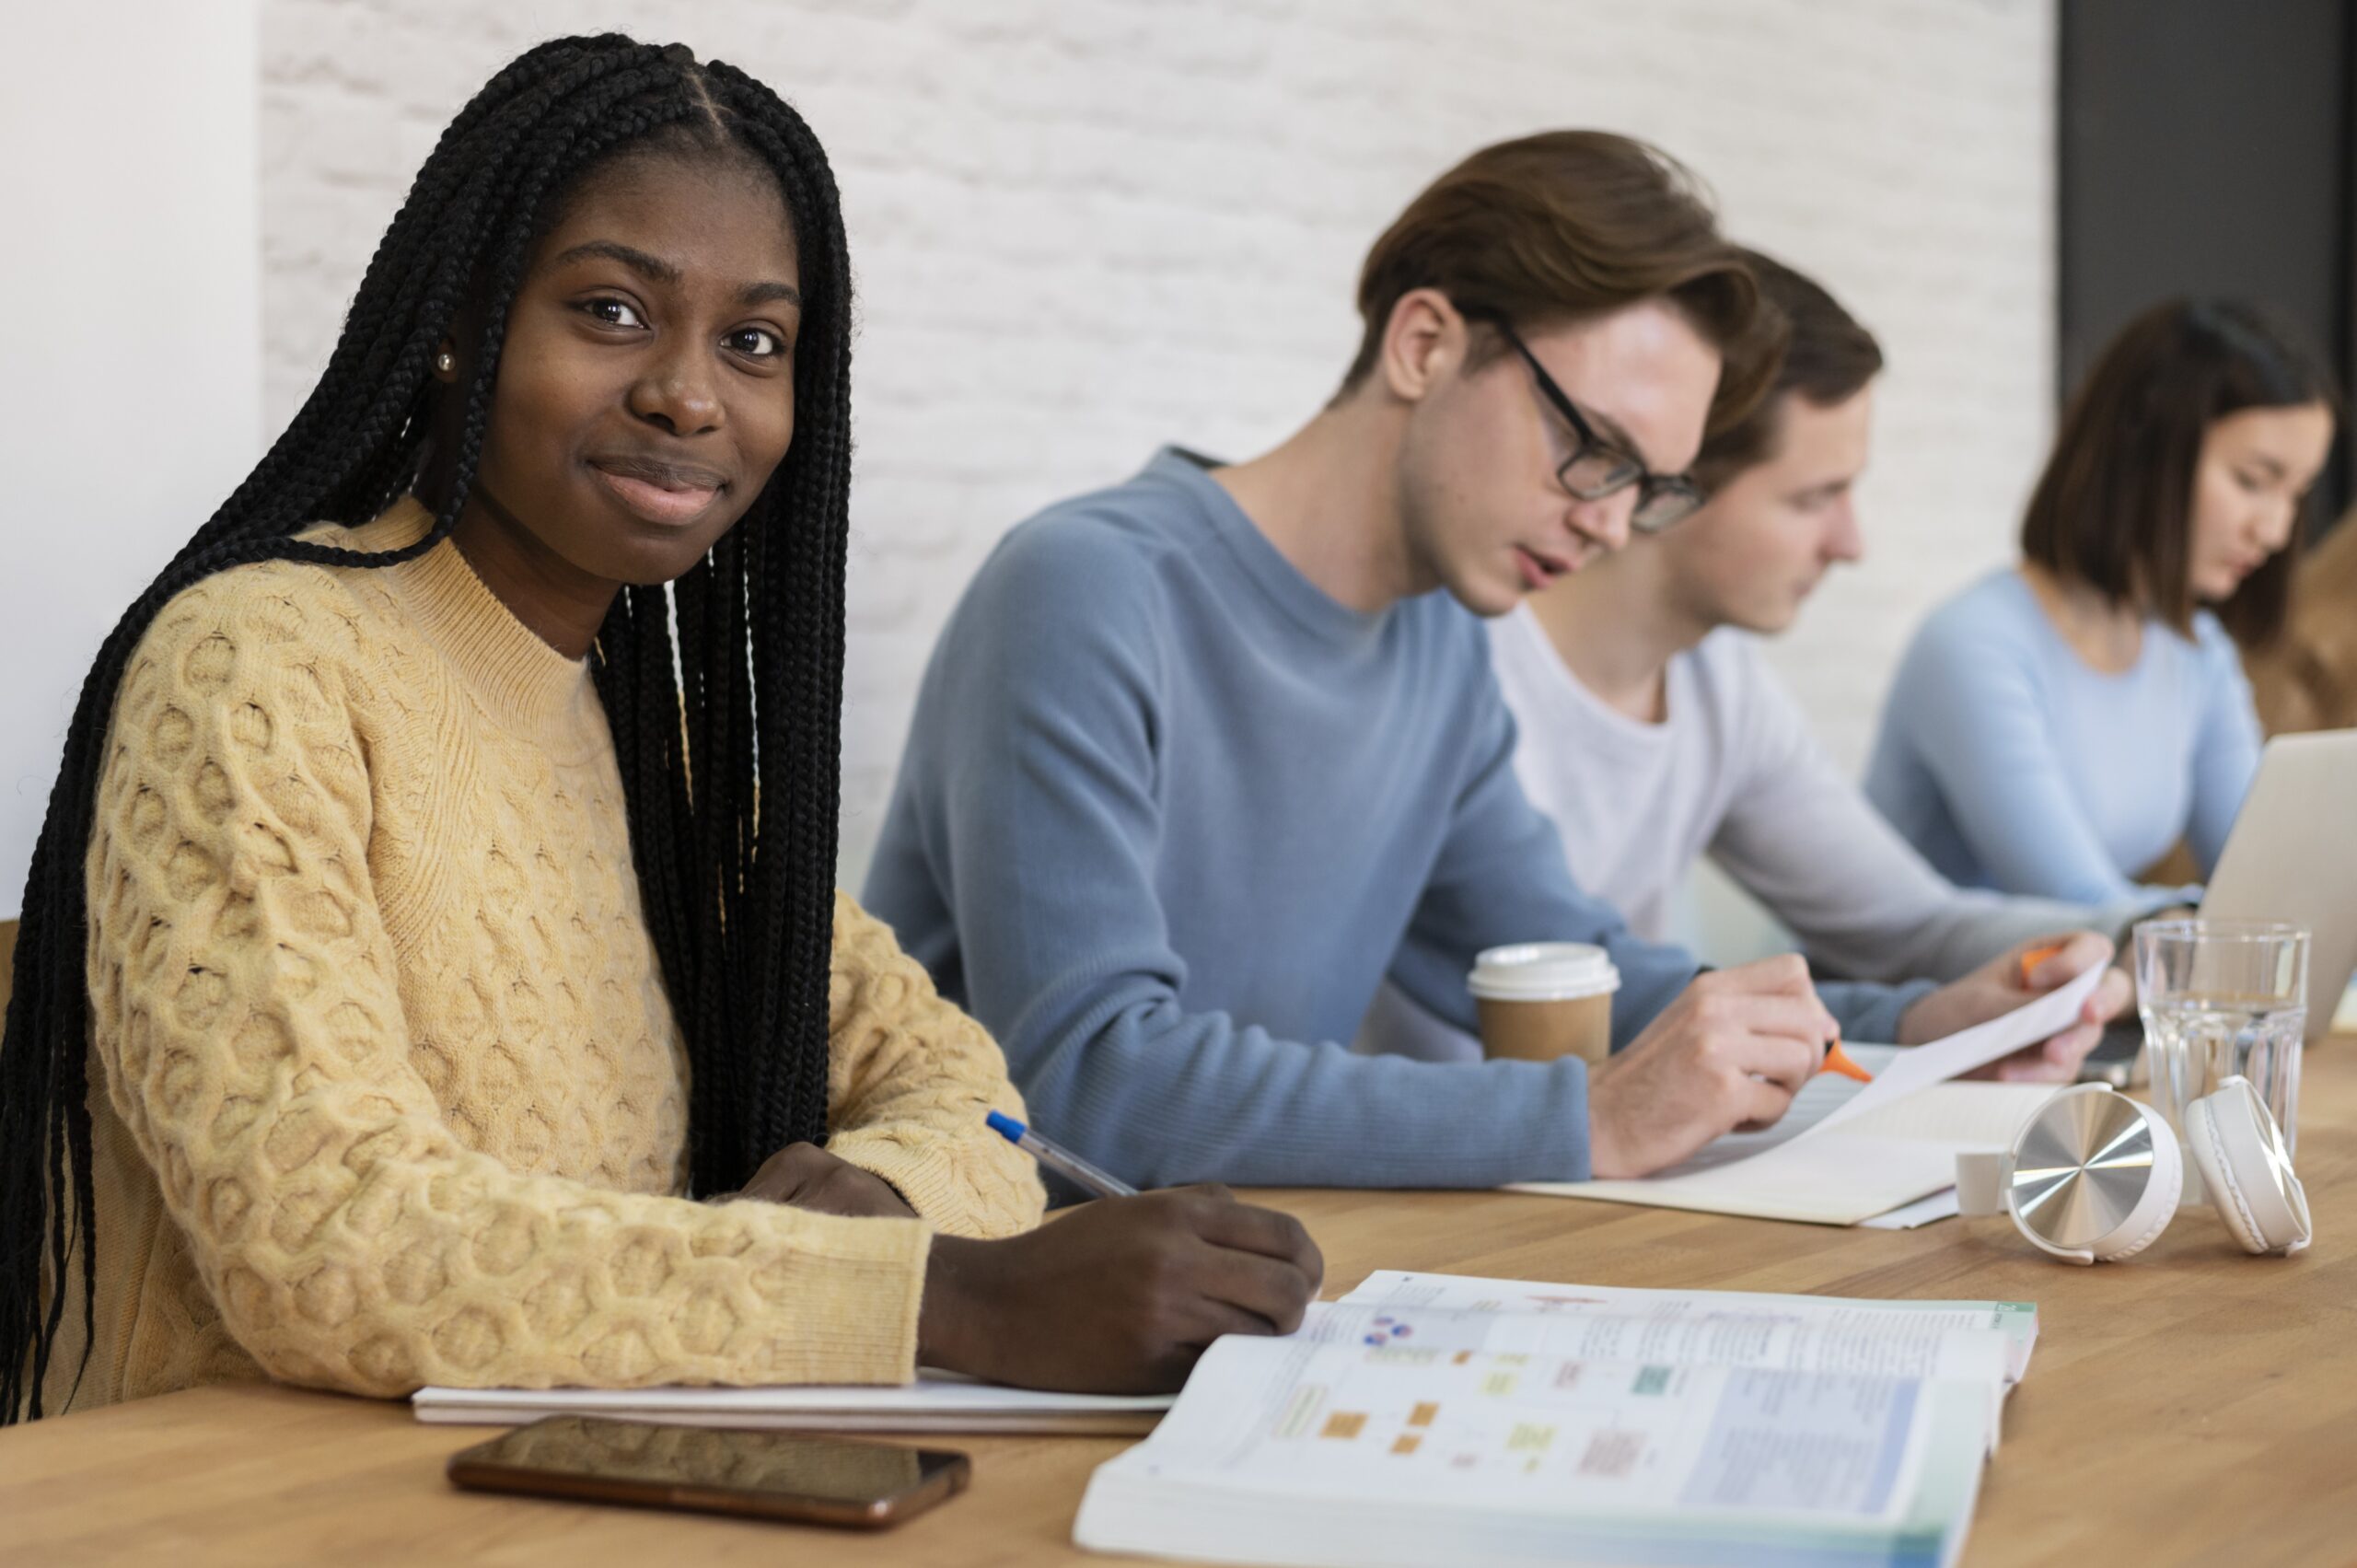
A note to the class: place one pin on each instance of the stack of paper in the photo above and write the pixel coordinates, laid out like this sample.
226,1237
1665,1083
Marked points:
937,1401
1427,1419
1845,1152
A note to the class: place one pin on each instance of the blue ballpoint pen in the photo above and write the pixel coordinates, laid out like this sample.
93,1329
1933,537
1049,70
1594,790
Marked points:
1063,1162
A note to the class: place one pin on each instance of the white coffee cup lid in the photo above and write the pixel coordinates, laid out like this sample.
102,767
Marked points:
1543,972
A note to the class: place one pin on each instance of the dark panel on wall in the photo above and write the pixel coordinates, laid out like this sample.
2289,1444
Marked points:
2206,147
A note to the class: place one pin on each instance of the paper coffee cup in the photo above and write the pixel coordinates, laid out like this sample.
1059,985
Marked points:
1542,1000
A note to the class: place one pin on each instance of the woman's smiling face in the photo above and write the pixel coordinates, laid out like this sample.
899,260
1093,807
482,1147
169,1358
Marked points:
645,386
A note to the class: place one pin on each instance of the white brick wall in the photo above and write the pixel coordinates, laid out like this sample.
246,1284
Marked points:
1083,228
93,524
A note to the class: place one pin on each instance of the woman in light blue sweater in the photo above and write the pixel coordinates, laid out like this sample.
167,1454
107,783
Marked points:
2058,726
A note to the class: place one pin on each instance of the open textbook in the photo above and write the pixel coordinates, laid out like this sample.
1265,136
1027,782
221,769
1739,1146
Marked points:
1426,1418
937,1401
1845,1151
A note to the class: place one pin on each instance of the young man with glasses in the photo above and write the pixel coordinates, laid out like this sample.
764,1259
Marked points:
1200,760
1654,733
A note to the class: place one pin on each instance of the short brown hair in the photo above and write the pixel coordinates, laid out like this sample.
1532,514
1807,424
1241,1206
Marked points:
1563,227
2114,509
1828,358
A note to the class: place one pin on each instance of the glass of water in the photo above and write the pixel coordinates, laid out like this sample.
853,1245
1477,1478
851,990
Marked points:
2221,999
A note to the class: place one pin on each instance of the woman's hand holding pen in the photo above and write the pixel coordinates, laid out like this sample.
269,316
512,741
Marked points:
1730,1053
1120,1296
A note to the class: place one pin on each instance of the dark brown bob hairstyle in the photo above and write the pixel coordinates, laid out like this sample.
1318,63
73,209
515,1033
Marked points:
1828,358
1564,227
2114,509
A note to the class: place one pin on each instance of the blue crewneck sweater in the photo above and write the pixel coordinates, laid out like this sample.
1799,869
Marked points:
2011,763
1170,814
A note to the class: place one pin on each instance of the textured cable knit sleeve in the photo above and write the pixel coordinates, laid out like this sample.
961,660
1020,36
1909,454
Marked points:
910,1080
250,1031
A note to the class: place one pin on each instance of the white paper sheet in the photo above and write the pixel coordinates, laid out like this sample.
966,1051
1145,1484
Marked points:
1845,1152
937,1401
1960,1052
1909,1216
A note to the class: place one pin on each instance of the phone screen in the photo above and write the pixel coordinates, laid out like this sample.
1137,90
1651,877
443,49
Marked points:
757,1464
2114,1059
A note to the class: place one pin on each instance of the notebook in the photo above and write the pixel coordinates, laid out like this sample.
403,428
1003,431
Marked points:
1846,1152
1429,1418
937,1401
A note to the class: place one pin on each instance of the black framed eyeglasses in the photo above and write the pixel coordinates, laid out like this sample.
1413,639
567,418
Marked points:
1596,467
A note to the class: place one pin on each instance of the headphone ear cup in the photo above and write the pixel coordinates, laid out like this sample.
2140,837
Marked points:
2229,1150
2218,1176
2158,1205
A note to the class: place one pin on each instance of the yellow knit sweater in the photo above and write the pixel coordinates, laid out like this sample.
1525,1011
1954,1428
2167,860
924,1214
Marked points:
386,1087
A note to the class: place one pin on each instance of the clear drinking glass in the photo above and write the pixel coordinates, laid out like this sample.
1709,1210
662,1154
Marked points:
2222,998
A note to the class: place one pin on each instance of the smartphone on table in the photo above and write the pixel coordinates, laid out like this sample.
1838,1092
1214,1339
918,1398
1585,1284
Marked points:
2118,1057
765,1475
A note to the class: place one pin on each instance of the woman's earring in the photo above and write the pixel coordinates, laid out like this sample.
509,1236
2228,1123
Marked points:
446,361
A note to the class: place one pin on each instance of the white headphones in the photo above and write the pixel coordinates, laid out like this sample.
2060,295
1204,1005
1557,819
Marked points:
2095,1177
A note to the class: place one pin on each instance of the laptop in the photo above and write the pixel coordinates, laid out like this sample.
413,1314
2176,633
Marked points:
2292,856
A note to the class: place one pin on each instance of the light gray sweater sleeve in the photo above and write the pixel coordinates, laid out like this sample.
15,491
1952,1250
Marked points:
1801,838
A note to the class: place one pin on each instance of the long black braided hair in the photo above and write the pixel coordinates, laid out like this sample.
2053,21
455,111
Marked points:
736,870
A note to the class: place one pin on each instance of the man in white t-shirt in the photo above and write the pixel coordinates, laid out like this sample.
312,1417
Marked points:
1653,733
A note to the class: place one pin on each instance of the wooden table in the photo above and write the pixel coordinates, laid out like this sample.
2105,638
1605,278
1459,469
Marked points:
2192,1406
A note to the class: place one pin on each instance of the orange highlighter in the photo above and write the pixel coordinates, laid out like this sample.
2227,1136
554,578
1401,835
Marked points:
2038,956
1838,1061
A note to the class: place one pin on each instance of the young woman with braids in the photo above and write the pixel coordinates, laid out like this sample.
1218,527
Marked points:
408,945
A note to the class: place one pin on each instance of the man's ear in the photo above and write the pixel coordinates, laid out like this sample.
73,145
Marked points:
1425,341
